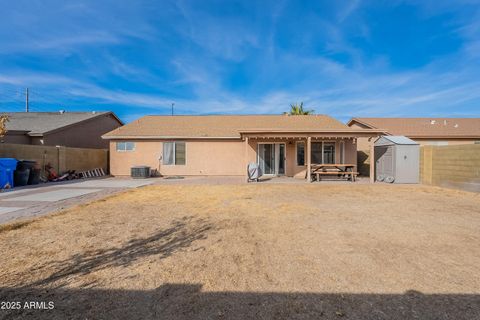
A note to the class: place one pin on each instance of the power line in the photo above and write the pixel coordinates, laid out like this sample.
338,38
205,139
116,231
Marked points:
36,107
14,91
16,99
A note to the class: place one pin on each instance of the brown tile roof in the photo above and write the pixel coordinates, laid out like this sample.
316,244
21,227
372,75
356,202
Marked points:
222,126
40,123
425,127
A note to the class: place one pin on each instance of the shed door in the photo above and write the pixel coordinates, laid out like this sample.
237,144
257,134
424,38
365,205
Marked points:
388,162
384,161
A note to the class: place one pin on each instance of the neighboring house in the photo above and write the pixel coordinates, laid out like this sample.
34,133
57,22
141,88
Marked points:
425,131
224,145
70,129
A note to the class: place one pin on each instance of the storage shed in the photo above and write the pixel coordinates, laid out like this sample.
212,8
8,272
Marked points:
397,160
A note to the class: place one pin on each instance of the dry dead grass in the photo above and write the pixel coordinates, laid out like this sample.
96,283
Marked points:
260,251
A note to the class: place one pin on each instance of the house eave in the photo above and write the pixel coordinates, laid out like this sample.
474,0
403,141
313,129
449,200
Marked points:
134,137
443,136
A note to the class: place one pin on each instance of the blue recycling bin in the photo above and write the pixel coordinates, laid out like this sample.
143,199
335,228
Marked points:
7,167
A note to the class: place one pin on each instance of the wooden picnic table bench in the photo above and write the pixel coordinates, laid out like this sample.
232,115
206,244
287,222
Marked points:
340,169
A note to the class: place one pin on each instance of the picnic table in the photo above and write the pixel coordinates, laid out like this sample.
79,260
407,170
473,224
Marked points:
341,170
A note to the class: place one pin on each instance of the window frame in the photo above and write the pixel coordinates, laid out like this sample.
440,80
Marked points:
174,153
296,153
334,151
125,143
336,146
321,151
342,152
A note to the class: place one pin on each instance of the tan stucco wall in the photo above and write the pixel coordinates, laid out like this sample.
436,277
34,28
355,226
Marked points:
207,157
202,158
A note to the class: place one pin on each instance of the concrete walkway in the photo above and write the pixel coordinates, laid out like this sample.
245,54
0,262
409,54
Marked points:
46,198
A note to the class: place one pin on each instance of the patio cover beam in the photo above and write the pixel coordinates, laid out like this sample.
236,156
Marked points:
309,158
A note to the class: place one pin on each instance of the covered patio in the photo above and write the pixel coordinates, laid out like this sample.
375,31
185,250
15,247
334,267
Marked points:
307,154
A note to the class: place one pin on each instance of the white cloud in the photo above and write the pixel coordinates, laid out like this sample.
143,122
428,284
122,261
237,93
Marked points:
347,9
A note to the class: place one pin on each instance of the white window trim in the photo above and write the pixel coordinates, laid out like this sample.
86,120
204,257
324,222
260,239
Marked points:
125,150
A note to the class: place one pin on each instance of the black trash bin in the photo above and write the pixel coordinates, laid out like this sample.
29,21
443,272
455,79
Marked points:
34,177
20,177
25,164
34,170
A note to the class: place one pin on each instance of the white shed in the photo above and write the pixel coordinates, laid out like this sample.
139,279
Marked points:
397,160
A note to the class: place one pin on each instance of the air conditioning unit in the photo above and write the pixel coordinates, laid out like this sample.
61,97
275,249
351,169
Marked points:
140,172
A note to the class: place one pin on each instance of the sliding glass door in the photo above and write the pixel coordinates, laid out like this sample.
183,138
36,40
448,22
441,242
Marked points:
266,158
271,158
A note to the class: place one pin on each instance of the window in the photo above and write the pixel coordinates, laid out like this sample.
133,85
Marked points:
125,146
342,152
174,153
328,152
316,152
322,152
300,153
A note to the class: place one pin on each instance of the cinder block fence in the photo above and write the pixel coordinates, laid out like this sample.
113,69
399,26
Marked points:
451,166
61,158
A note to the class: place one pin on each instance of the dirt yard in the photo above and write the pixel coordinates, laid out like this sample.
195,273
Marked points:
253,251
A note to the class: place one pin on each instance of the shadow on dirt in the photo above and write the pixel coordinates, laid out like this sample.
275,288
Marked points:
180,235
177,301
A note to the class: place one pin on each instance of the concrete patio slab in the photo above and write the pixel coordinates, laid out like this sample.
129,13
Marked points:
111,183
14,192
4,210
55,195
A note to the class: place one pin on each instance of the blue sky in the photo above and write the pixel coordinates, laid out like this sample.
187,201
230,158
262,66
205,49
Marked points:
343,58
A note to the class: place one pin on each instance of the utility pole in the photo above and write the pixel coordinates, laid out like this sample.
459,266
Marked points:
26,99
173,103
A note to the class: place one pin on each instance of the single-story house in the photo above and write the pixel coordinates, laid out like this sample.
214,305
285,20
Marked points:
425,131
225,144
69,129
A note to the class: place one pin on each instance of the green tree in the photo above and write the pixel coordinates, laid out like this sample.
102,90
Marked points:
297,109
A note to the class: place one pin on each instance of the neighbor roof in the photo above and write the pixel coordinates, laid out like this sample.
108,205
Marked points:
425,127
222,126
40,123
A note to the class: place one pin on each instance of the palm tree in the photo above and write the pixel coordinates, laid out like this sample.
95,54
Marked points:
297,109
3,121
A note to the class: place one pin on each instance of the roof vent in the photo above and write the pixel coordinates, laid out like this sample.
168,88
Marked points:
444,122
62,111
456,125
432,121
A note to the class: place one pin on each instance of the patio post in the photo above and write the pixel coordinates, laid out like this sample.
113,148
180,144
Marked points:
246,157
372,160
309,158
